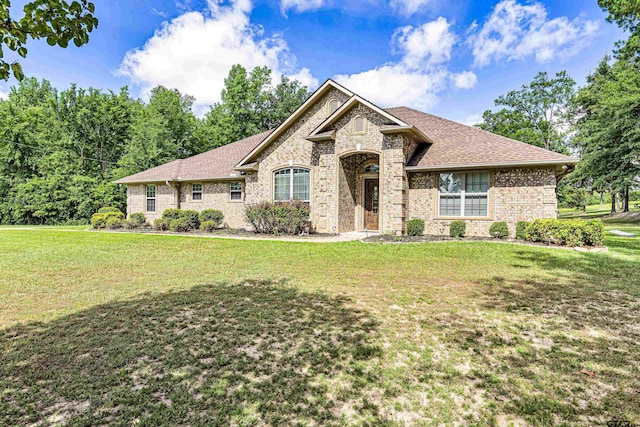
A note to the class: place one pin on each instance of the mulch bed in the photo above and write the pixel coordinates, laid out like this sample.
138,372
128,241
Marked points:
219,232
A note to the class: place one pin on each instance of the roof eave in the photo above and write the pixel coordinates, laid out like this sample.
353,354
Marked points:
324,136
406,129
165,180
491,165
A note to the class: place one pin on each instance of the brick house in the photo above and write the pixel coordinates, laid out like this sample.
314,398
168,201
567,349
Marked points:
363,167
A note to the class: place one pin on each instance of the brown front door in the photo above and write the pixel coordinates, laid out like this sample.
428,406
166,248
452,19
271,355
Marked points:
371,203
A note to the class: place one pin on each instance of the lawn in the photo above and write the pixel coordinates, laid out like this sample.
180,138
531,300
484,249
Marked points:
99,328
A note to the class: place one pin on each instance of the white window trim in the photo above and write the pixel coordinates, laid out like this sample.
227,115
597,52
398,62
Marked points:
235,191
147,198
273,186
463,195
201,192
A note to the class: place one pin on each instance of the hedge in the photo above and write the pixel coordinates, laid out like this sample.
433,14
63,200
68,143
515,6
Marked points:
457,229
212,215
180,225
138,218
113,222
566,233
521,230
279,217
161,224
499,230
208,226
99,219
415,227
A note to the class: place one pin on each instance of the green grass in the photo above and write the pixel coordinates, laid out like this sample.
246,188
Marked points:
104,328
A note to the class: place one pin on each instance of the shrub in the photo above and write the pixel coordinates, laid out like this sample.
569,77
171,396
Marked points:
130,224
457,228
569,233
113,222
99,220
415,227
208,226
171,214
279,217
521,230
499,230
138,218
161,224
211,215
593,232
180,225
108,209
192,218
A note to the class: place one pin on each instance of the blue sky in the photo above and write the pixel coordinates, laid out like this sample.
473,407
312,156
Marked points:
448,58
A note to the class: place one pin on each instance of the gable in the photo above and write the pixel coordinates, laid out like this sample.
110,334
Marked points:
318,100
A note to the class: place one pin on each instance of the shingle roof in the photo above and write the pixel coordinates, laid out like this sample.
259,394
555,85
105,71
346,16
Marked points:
454,144
218,163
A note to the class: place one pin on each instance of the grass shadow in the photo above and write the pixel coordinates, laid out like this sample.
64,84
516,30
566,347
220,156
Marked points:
245,354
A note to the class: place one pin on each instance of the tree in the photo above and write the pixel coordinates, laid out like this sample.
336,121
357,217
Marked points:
164,130
625,13
539,113
608,134
249,105
58,21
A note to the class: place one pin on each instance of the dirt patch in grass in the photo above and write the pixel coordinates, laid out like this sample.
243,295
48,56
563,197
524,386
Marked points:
253,353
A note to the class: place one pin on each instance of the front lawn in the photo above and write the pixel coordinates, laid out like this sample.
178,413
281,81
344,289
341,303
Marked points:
104,328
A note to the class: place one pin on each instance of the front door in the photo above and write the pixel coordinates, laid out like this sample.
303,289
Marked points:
371,203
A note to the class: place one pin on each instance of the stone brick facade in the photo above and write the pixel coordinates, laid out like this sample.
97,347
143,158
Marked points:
514,195
337,177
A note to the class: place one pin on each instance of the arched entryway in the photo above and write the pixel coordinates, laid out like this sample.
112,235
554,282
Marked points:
359,205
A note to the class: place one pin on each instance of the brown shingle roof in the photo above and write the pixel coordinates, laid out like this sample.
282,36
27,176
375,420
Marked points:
218,163
458,145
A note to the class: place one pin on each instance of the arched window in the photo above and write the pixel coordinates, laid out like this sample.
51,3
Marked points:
358,124
333,106
371,168
292,184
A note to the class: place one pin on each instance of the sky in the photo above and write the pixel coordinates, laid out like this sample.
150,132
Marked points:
448,57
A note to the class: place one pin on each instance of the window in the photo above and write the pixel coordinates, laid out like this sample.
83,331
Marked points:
196,191
372,168
292,184
358,124
151,198
235,190
464,194
333,106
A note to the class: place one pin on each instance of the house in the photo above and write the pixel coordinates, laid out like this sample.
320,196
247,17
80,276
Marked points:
363,167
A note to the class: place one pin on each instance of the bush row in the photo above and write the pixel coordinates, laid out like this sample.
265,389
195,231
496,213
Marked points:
113,218
561,232
188,220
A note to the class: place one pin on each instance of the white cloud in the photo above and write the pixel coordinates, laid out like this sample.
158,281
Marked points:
420,74
515,31
428,44
464,80
408,7
194,52
3,95
471,120
300,5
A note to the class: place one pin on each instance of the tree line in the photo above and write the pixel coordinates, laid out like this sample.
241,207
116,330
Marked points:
598,123
61,150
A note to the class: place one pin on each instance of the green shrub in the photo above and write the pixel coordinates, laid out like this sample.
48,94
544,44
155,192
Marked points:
113,222
99,220
108,209
192,218
593,232
138,218
130,224
161,224
180,225
415,227
457,228
499,230
212,215
208,226
279,217
171,214
567,233
521,230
